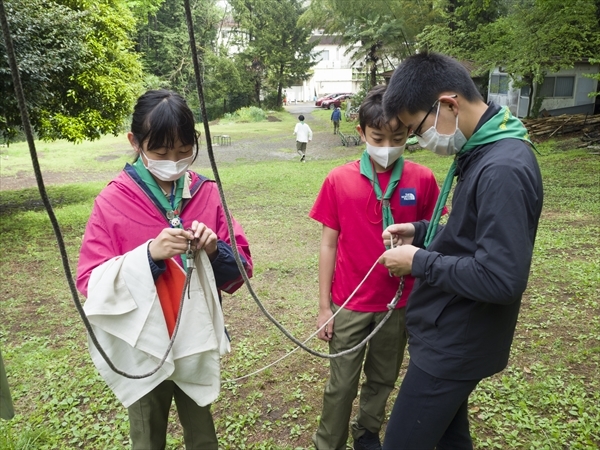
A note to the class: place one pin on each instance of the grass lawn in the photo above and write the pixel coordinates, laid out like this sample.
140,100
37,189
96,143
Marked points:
547,398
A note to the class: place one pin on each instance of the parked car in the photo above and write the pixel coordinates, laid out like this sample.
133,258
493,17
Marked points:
328,97
335,101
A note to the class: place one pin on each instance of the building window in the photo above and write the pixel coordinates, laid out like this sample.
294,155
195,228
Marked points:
557,87
325,55
499,84
322,55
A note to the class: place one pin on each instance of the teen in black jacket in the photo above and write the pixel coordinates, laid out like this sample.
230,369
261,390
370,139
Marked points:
472,272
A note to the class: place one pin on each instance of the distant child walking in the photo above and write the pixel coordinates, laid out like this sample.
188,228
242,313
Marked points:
356,203
336,116
132,269
303,136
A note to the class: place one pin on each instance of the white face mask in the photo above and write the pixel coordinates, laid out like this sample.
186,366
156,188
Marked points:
168,170
442,144
385,156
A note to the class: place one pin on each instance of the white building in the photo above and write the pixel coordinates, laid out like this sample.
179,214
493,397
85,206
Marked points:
564,92
334,71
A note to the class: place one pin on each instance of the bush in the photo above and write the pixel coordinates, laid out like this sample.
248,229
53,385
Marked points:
248,114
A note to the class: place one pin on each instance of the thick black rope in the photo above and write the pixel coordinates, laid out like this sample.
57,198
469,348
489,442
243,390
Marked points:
55,226
61,246
198,69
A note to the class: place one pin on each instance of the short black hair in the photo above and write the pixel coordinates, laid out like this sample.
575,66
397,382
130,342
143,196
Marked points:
370,113
420,79
161,117
301,118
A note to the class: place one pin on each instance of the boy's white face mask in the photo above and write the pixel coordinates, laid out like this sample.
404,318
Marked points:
385,156
442,144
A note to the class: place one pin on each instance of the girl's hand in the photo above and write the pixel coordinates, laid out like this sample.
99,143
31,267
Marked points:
204,238
170,242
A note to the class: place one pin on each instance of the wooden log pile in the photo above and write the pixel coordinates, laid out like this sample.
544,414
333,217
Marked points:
547,127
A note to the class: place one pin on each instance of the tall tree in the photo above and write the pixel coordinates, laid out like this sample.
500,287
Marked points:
383,30
79,72
277,51
528,38
163,41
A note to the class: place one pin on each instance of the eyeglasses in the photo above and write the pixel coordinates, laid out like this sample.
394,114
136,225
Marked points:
417,130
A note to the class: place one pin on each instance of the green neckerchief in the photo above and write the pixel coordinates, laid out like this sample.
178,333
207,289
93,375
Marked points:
366,169
172,207
503,125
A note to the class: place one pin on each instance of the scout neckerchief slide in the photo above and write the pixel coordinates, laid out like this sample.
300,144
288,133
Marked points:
366,169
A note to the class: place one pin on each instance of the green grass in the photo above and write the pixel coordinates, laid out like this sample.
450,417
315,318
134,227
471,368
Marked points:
252,130
548,397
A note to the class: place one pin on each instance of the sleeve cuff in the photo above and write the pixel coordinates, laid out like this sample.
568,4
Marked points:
156,267
418,263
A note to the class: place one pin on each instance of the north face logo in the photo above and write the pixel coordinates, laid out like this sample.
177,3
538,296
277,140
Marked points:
408,196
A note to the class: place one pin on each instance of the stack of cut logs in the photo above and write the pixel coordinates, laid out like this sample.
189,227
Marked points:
547,127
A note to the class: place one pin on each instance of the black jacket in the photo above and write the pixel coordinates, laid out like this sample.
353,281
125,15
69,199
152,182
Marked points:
463,310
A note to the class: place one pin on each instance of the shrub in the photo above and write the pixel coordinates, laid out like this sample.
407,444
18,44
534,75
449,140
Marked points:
248,114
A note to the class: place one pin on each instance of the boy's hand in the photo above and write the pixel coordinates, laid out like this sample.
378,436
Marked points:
326,333
401,233
398,260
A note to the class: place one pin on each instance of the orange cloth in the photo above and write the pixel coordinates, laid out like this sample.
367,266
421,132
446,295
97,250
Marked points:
169,287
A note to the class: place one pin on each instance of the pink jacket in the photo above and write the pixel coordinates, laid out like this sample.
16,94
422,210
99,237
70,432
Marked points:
124,217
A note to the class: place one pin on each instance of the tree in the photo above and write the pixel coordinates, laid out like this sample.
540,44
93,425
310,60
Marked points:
527,38
383,31
277,49
163,41
595,76
80,75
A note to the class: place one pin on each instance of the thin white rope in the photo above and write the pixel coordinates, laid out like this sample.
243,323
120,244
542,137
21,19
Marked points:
234,380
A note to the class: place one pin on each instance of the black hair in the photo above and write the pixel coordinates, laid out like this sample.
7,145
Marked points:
370,113
301,118
161,117
420,79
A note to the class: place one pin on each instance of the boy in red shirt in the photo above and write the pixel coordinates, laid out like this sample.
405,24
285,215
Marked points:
356,203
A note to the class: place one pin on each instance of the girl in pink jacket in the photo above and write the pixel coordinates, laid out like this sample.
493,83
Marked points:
132,269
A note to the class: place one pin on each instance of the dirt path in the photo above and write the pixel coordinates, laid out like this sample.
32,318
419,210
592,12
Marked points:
325,145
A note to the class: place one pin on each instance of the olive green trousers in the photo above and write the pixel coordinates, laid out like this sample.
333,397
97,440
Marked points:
382,358
148,418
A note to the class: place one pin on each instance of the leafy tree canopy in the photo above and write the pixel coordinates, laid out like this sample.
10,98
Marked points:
378,32
277,49
527,38
80,75
164,44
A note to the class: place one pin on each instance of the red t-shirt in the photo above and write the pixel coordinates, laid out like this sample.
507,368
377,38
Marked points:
347,204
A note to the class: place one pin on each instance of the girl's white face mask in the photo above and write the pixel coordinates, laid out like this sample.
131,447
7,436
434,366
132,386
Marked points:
385,156
442,144
168,170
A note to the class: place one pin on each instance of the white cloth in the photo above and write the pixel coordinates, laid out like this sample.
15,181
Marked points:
303,132
126,316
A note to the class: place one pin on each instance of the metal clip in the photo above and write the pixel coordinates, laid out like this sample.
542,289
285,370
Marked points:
189,254
396,299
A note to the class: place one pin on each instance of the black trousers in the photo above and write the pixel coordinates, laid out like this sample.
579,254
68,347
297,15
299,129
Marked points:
430,413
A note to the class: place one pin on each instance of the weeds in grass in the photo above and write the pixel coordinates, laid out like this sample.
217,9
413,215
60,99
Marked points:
548,397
